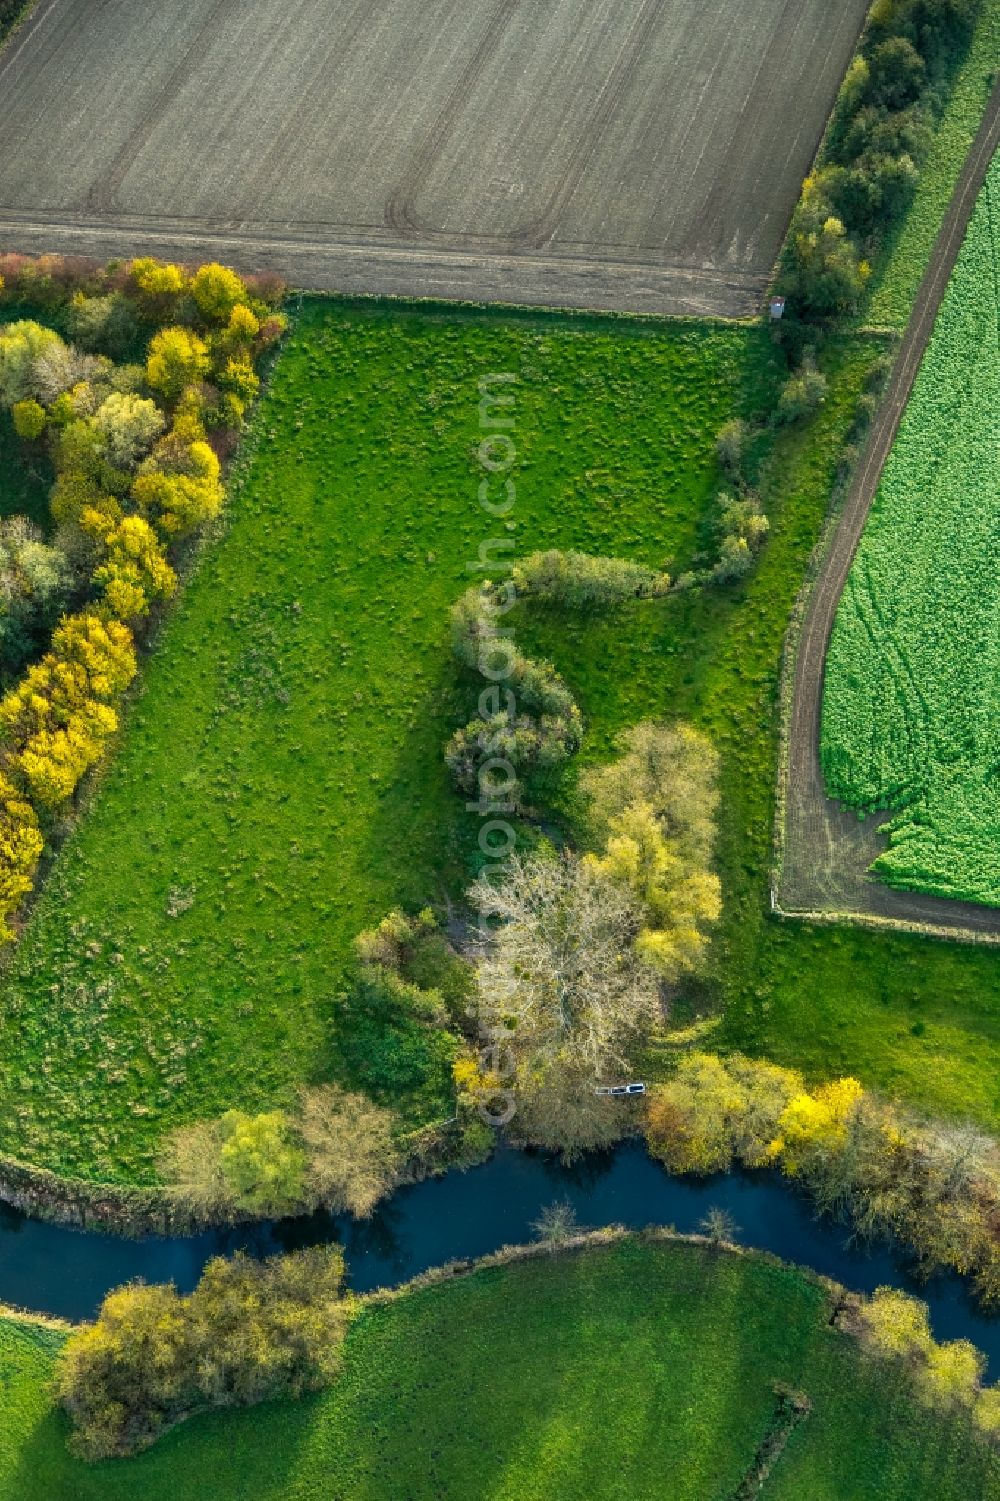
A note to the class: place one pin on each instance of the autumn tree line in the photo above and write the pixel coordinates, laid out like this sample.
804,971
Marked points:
879,136
135,405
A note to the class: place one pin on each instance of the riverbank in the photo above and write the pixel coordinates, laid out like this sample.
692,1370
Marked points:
507,1381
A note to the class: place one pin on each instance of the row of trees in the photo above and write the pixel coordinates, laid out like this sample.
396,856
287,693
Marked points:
869,167
136,453
251,1331
932,1187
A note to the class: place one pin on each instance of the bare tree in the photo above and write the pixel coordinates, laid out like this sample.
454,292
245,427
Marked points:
561,972
562,990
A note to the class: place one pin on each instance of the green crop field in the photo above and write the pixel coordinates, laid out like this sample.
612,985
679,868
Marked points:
898,271
642,1369
911,718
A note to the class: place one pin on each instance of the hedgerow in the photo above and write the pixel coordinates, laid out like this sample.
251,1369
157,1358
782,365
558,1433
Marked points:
136,451
868,169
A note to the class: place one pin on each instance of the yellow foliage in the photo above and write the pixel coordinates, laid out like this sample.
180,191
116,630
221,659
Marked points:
20,848
54,761
55,722
986,1410
816,1121
950,1373
474,1084
29,419
716,1109
217,290
177,358
679,900
894,1323
135,570
242,323
181,500
240,377
157,278
74,494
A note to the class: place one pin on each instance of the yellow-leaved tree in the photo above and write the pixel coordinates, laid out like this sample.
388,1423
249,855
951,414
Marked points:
177,358
20,849
816,1123
653,811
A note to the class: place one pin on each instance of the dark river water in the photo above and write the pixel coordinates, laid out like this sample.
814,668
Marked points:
67,1272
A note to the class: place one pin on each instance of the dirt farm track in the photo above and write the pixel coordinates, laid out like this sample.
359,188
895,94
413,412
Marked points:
633,154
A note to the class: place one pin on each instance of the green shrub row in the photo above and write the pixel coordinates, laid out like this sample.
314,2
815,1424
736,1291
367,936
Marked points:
869,166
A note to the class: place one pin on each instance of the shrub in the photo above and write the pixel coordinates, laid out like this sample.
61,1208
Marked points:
263,1166
742,528
34,586
21,847
556,1224
803,392
579,581
177,358
730,446
654,812
21,345
179,498
396,1037
353,1161
189,1163
55,723
217,291
715,1111
135,571
419,952
102,325
29,419
249,1332
897,74
159,281
128,426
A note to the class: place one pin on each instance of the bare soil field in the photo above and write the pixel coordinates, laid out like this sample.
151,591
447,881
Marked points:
640,154
826,849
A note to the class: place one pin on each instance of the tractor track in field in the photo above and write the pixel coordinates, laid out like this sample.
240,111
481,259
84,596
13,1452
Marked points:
824,849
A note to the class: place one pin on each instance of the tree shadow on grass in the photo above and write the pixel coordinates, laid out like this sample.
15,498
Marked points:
231,1456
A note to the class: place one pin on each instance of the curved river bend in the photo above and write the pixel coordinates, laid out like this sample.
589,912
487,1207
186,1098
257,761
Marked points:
66,1272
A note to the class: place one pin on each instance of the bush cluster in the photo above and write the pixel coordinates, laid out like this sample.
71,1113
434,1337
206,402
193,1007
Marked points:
869,167
410,985
136,449
337,1150
948,1375
251,1331
932,1187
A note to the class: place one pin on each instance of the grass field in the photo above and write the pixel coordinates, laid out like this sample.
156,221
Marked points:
283,764
897,274
294,824
911,714
569,139
644,1370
